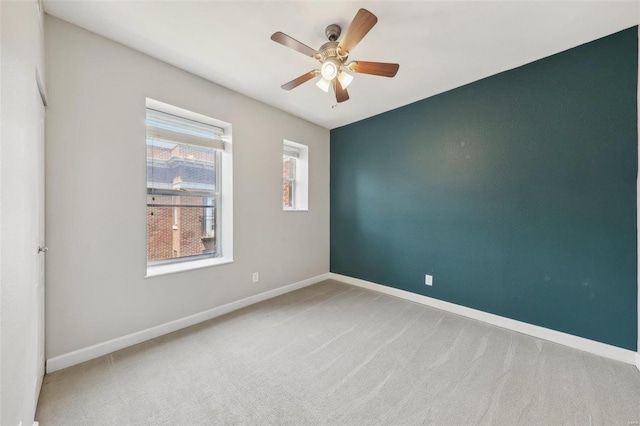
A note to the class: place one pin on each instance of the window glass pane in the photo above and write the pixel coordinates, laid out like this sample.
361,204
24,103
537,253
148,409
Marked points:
288,181
181,167
287,193
182,190
180,227
289,168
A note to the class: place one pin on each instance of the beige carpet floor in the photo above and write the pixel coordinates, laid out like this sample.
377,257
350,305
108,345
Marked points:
340,355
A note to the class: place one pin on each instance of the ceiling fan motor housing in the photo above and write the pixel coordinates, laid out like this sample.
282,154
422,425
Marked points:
330,50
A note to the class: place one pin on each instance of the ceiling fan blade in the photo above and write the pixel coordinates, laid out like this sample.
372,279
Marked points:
285,40
359,27
341,93
298,81
375,68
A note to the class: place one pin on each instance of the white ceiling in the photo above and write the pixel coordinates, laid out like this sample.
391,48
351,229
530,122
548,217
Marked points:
439,45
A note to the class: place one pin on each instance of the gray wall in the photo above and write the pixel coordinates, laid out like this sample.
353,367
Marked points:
21,368
96,212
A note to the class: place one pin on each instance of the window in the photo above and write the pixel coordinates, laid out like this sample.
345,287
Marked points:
295,176
187,190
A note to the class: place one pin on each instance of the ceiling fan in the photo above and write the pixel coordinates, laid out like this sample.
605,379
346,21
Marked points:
333,56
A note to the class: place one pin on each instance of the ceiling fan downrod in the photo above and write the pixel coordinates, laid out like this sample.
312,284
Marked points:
333,32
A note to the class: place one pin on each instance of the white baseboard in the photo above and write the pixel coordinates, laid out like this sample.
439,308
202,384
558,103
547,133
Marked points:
85,354
597,348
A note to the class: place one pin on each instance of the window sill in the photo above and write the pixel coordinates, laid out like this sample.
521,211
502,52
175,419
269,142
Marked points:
174,268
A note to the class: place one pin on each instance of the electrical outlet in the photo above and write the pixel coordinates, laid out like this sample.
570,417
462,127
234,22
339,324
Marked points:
256,278
428,280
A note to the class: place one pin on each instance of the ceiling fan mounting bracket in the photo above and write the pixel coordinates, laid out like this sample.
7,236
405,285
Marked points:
333,32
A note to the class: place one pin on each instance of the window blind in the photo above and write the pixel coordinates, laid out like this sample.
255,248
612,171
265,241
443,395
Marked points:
170,128
290,151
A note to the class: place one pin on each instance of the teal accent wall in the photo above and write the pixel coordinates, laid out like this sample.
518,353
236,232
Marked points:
516,192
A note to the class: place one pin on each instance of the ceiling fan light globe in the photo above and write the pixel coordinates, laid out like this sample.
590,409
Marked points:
345,79
329,70
324,84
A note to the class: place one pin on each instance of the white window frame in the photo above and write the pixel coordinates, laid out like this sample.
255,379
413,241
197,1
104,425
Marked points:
226,197
301,176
